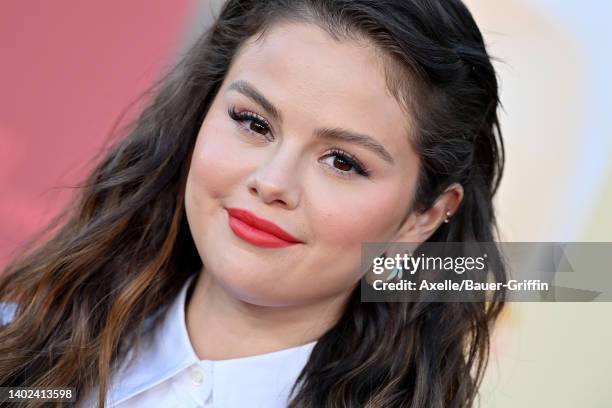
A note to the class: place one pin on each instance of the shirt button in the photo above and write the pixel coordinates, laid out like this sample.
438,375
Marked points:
197,376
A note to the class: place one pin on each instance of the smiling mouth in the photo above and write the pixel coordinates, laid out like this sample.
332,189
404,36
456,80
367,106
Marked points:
247,227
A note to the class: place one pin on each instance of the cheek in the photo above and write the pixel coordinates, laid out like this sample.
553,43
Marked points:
346,220
216,162
341,222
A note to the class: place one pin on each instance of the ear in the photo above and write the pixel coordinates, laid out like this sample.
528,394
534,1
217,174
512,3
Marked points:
418,227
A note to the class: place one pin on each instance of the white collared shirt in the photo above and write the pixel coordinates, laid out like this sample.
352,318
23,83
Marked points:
168,373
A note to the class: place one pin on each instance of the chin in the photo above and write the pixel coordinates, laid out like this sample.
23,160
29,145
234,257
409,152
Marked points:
257,294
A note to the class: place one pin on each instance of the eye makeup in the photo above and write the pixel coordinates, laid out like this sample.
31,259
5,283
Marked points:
262,127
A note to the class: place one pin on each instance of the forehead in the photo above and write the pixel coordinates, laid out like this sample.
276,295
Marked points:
318,81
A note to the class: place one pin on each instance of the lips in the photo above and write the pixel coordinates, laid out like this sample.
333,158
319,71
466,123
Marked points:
258,231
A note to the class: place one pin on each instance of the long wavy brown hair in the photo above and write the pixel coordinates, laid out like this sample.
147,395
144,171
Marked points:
123,249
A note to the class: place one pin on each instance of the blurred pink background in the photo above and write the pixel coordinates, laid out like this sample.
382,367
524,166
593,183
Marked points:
69,69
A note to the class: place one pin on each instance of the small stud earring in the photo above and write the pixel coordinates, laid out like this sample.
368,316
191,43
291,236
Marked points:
448,214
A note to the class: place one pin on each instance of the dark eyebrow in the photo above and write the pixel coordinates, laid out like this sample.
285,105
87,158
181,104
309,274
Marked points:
366,141
357,138
249,90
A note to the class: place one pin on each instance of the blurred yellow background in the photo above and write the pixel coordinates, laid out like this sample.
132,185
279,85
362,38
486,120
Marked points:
555,88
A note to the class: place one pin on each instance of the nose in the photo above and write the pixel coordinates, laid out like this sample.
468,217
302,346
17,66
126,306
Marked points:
276,180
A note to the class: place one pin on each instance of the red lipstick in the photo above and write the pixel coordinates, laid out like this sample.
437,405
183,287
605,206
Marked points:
258,231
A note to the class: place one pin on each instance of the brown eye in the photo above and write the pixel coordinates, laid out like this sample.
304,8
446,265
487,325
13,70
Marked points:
341,164
258,128
251,122
345,164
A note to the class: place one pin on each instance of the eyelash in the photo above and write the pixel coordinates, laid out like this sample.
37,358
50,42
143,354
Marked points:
247,115
344,156
350,159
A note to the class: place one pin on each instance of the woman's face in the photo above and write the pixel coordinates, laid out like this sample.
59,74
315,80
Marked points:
319,147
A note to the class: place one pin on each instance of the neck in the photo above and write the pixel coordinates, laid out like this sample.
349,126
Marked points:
221,326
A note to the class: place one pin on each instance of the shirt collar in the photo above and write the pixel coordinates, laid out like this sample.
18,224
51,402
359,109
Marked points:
168,350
